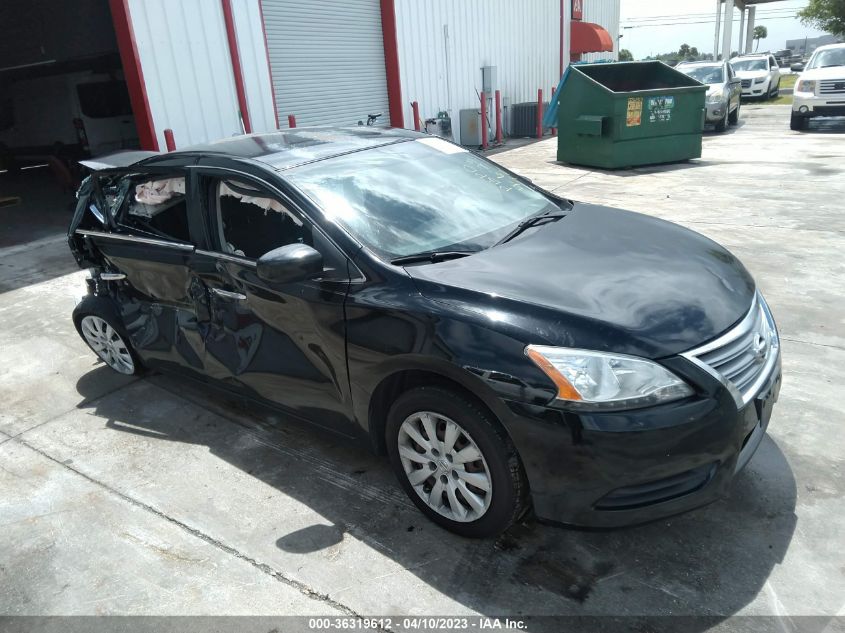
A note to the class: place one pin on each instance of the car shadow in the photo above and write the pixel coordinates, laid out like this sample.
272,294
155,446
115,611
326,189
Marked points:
832,125
710,562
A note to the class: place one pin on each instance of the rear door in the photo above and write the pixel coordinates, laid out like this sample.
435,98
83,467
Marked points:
148,235
280,343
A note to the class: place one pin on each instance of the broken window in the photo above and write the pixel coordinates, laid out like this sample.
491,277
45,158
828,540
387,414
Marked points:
252,223
159,207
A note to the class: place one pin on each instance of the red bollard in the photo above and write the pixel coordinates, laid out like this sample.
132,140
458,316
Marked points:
291,121
539,113
483,121
169,140
554,129
498,116
416,108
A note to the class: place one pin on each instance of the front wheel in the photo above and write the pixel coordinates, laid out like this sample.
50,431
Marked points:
775,91
455,463
733,118
797,122
722,125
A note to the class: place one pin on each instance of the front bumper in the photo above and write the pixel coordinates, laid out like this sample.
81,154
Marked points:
756,90
807,105
715,112
614,469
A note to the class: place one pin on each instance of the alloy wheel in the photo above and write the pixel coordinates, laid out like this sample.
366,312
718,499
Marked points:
445,466
108,344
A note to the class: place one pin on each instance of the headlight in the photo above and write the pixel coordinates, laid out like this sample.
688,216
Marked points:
717,96
806,85
760,80
585,378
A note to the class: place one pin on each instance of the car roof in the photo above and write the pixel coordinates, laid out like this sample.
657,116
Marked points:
829,46
288,148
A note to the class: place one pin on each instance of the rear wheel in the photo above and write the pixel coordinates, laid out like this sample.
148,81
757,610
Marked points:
775,91
455,463
100,328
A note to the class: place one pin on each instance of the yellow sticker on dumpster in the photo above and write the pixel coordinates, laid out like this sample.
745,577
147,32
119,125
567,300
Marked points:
635,111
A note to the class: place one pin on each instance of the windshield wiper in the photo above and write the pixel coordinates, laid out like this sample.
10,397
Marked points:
527,224
430,256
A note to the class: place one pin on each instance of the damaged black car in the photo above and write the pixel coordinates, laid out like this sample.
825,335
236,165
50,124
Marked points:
508,349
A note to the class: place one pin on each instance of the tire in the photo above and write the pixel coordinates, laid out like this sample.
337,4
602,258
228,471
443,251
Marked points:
775,91
733,117
722,125
485,512
99,325
797,122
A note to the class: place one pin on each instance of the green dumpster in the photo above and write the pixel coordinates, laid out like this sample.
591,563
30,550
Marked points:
626,114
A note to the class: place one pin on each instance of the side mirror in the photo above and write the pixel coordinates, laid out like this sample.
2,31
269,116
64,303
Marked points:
797,68
290,263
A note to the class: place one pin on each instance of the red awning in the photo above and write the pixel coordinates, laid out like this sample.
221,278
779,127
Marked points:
587,37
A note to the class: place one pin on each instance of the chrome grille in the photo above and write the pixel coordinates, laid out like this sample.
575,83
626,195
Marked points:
743,357
746,83
832,86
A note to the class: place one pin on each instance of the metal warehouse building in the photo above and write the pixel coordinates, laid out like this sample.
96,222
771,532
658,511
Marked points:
207,69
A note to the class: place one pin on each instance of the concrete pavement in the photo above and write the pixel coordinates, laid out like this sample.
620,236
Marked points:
126,496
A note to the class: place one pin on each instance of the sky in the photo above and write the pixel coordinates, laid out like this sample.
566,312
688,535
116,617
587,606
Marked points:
661,26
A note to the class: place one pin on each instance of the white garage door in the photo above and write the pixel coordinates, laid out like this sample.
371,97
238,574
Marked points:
327,60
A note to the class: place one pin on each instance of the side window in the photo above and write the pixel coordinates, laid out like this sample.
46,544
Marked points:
157,207
251,222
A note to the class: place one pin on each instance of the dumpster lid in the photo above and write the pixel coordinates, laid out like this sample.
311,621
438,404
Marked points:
586,37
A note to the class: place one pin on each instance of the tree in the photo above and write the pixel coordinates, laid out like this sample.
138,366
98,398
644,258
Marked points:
683,52
693,53
760,33
825,15
625,55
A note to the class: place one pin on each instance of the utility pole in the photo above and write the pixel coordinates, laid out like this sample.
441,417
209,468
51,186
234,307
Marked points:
726,32
716,37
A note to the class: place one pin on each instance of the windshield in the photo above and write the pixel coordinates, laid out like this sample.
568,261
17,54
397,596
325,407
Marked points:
830,57
750,64
419,196
705,74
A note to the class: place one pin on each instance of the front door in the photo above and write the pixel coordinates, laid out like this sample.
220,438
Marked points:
280,343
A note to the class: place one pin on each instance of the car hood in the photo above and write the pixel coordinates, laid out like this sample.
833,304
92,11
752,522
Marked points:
832,72
600,278
751,74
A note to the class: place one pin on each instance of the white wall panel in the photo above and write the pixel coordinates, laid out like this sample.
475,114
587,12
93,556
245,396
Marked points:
187,69
259,91
444,43
604,13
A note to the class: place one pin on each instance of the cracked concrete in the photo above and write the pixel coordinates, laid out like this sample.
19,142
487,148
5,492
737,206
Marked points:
125,496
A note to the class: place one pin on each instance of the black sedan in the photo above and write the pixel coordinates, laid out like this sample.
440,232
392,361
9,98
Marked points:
507,348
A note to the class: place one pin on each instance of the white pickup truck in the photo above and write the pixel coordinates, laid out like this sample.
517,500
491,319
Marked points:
820,89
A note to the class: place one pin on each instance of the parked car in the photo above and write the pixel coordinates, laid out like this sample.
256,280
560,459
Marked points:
723,91
760,75
820,89
504,346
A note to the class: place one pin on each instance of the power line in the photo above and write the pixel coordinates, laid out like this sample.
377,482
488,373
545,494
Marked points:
640,26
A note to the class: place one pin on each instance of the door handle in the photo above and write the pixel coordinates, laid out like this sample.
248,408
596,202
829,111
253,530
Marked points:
112,276
228,294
